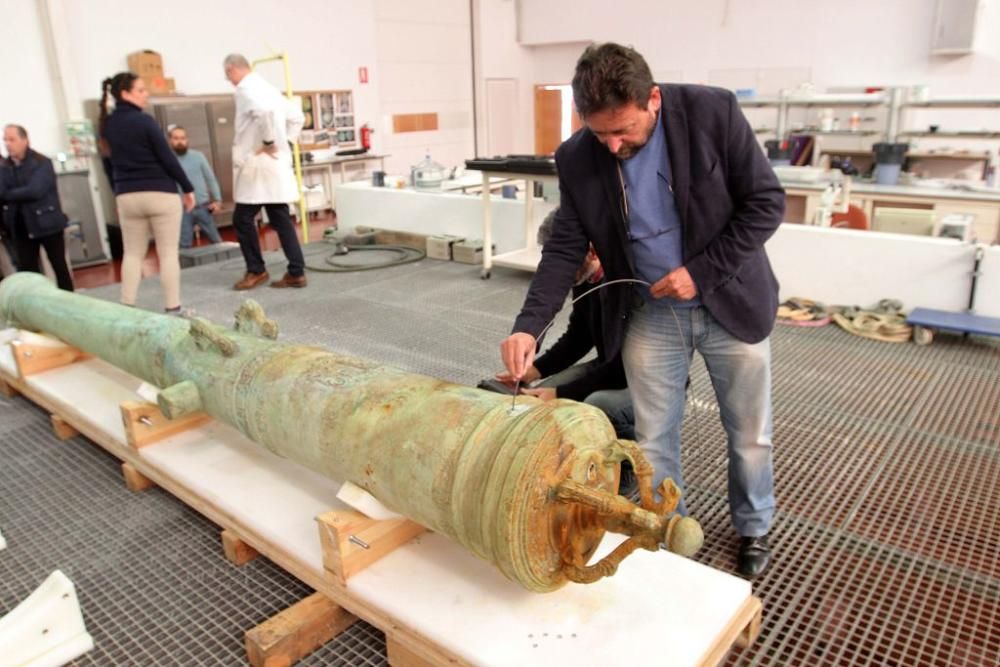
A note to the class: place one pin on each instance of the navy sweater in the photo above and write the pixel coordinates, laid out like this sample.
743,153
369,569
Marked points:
584,333
141,160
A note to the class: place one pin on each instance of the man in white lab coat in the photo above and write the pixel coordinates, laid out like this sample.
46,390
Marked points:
266,121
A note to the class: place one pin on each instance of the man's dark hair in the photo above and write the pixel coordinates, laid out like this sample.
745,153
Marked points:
608,76
174,128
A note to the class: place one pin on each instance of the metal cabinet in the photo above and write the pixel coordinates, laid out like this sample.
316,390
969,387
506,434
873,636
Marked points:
209,121
83,242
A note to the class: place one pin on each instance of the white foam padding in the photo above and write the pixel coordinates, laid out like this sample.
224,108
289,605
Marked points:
46,629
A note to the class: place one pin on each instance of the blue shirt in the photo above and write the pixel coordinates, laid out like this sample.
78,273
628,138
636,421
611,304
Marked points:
654,225
199,172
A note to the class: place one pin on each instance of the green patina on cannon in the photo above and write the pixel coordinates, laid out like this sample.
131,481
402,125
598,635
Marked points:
532,490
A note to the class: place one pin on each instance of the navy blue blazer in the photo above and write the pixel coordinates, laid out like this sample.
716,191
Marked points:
37,195
729,201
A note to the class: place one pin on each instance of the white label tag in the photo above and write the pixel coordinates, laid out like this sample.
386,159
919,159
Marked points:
147,392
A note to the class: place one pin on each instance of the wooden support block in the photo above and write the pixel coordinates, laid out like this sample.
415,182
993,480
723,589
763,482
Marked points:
237,551
343,557
7,390
31,359
145,424
62,429
400,656
296,632
742,630
135,480
752,630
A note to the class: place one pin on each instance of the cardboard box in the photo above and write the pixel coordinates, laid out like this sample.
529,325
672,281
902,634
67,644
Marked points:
469,252
158,85
147,64
409,239
439,246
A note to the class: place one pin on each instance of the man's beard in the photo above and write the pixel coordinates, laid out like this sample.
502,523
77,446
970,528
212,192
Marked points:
180,150
627,150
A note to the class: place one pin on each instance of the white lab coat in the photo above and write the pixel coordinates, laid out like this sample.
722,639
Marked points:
264,114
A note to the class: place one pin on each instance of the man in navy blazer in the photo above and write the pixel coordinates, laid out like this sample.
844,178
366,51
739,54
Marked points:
670,186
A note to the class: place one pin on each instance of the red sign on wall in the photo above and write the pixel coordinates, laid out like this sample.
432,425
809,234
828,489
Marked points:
363,74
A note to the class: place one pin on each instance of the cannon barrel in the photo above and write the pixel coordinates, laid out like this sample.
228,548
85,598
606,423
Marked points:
531,490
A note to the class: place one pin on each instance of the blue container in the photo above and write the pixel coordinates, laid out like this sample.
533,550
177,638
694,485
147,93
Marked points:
887,174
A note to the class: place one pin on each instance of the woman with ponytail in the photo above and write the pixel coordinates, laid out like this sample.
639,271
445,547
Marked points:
145,174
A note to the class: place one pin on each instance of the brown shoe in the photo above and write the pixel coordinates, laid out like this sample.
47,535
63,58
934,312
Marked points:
251,280
288,280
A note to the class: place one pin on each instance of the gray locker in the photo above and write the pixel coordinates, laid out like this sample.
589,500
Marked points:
83,243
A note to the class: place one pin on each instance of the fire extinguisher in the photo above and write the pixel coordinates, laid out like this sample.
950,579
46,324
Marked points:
366,137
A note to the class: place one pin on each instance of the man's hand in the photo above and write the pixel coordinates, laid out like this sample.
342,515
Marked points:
677,285
530,375
271,150
544,393
213,207
188,200
518,353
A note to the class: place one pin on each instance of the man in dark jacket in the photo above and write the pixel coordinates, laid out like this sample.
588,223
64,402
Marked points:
32,214
670,186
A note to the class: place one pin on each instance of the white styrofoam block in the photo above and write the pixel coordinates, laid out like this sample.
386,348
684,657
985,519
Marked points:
3,542
148,392
353,495
46,629
851,267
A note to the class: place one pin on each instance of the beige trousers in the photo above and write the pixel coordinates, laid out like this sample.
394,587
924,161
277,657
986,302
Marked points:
145,214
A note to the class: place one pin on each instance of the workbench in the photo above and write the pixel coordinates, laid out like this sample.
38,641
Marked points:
803,199
346,163
523,258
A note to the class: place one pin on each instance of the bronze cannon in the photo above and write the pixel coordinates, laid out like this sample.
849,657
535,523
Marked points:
532,490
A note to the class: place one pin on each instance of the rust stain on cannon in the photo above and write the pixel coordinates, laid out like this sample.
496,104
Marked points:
532,491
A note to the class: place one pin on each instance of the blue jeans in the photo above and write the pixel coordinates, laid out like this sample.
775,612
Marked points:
615,403
199,214
657,354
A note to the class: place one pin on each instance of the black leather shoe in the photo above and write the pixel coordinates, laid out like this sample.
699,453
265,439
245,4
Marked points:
754,556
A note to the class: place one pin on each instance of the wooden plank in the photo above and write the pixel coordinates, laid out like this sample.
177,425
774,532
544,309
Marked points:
742,630
31,359
145,424
400,656
7,390
752,630
372,539
135,480
62,430
297,631
237,551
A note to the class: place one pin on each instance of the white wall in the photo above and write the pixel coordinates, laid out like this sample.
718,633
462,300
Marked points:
424,57
843,43
418,57
28,96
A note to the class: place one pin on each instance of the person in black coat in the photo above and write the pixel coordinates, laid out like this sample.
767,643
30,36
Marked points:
600,381
670,186
32,215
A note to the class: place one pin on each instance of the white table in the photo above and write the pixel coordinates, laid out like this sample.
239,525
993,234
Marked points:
525,258
326,167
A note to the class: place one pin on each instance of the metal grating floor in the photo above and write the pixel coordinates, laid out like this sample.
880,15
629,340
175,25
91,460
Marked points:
886,543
